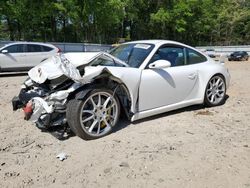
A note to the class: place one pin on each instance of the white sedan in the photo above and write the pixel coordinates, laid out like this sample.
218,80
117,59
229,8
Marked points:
22,56
87,92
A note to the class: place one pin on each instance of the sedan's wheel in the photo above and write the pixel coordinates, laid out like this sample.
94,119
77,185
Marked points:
95,116
215,91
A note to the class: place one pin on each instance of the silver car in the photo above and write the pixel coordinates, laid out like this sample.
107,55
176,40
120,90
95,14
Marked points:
21,56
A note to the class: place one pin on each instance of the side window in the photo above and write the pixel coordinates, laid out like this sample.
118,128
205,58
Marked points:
175,55
34,48
46,48
194,57
17,48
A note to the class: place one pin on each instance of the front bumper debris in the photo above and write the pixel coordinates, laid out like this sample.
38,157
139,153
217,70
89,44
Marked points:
16,103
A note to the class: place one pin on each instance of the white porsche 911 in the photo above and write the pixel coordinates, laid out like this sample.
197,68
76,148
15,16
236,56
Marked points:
87,92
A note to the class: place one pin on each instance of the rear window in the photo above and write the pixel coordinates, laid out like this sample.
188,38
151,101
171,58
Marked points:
34,48
47,49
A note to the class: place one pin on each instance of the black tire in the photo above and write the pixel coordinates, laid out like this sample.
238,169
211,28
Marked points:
74,114
216,91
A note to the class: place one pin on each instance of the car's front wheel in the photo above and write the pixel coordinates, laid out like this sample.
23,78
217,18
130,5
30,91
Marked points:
95,116
215,91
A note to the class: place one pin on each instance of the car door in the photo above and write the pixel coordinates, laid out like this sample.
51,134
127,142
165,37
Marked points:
13,57
36,54
167,86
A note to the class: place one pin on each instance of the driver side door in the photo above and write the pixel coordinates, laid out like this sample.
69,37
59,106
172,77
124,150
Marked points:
166,86
14,57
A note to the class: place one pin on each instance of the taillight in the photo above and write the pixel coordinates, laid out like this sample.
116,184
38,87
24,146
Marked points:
59,50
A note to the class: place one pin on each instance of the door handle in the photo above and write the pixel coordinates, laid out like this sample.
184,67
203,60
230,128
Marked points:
192,76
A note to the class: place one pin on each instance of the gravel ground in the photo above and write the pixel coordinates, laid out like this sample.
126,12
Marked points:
191,147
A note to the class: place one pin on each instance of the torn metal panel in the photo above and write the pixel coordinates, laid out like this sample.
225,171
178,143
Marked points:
59,65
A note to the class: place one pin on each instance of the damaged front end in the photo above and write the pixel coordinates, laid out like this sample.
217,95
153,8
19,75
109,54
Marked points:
45,94
44,106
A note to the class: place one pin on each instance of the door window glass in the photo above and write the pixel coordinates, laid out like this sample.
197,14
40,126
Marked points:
18,48
34,48
175,55
194,57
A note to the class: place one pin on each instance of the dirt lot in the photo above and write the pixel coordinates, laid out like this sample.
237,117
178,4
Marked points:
192,147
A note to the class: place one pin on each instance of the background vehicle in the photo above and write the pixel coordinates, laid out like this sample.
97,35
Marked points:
238,56
87,91
211,53
21,56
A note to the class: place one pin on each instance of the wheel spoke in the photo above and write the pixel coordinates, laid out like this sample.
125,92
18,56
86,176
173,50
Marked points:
220,95
217,82
110,107
106,102
106,122
212,98
221,90
87,119
99,127
93,102
208,95
88,111
99,100
214,81
93,126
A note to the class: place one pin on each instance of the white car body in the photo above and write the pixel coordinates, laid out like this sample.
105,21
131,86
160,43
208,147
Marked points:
152,90
26,56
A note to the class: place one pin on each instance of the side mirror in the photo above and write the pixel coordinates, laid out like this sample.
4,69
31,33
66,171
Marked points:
4,51
160,64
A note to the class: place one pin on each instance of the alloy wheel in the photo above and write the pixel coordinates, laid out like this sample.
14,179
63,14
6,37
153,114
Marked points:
99,113
216,90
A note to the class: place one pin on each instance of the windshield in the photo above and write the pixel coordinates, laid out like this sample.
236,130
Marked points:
237,53
133,54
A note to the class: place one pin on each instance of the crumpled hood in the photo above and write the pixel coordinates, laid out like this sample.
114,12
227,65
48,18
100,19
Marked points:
58,65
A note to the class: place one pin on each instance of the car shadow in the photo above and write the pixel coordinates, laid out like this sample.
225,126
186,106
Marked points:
124,122
59,132
13,74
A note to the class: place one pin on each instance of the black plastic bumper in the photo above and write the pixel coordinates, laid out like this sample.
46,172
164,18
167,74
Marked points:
16,103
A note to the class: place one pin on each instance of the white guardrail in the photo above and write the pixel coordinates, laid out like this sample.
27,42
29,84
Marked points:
88,47
224,50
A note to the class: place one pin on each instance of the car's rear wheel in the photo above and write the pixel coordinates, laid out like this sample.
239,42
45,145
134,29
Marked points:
215,91
95,116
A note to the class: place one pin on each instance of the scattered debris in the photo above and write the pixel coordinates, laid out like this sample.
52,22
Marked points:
189,132
28,144
204,112
117,141
20,152
124,164
11,174
172,148
62,156
107,170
